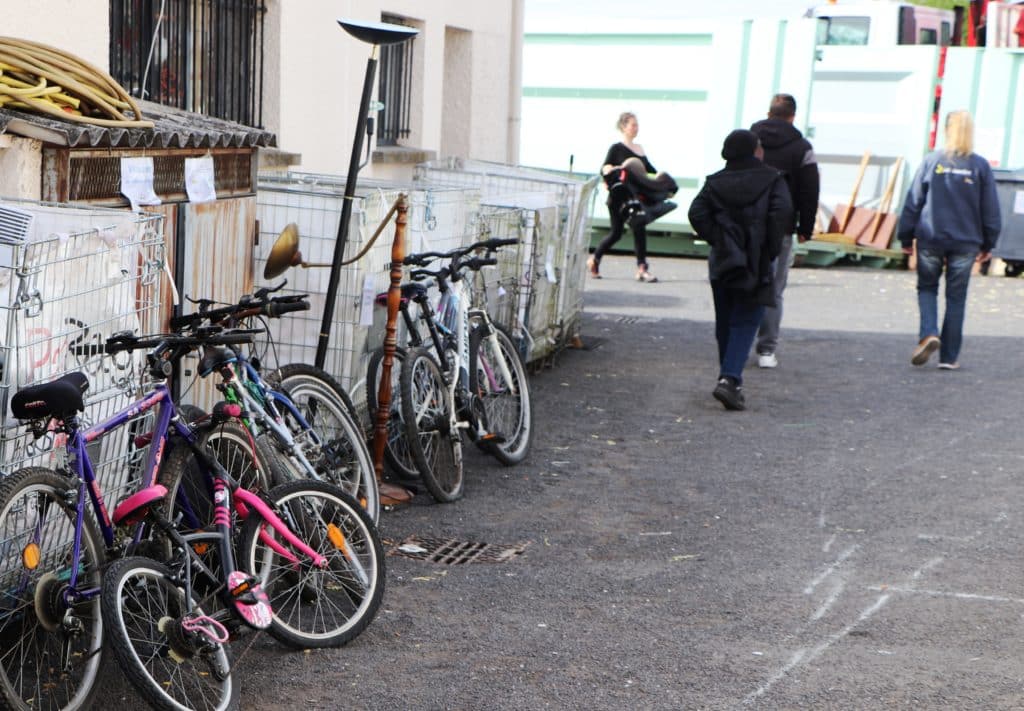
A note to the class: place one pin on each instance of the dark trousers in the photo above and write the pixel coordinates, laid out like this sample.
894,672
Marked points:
736,323
617,227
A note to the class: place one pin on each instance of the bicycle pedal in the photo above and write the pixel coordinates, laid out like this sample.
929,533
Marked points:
251,600
493,438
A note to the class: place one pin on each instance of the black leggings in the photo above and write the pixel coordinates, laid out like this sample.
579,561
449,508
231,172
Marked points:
615,234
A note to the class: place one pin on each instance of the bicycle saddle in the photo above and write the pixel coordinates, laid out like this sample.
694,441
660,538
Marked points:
60,398
215,358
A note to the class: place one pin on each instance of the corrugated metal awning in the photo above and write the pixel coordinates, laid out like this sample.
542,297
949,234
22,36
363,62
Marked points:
174,129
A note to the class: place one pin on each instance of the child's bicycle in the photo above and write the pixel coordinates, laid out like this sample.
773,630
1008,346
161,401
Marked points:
52,552
468,377
304,424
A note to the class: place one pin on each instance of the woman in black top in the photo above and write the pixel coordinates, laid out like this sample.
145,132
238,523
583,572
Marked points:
617,154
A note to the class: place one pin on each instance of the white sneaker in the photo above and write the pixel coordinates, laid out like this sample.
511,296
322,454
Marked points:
767,360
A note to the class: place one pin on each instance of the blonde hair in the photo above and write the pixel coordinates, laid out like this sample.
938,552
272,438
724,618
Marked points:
624,118
959,133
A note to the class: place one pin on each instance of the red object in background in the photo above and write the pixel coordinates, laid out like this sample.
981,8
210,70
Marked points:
1019,30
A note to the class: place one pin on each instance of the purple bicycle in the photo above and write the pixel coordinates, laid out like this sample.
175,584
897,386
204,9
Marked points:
171,643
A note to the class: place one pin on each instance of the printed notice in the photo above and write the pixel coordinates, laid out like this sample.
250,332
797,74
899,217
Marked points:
1018,203
137,182
366,304
199,179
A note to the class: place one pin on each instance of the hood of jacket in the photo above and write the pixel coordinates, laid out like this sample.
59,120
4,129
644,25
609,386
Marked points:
741,183
776,133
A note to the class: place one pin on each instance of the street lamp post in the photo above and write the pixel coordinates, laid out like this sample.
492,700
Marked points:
376,34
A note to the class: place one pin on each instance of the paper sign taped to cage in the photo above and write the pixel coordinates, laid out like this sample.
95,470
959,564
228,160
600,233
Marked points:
549,264
137,182
199,179
366,304
1018,203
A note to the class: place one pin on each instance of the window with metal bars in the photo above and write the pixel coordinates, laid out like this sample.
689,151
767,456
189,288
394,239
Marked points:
204,56
395,89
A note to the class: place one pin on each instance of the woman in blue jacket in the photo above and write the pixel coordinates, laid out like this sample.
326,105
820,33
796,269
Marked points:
952,210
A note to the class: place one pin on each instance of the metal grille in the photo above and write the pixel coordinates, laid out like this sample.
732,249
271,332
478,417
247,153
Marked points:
204,56
82,275
438,219
395,90
449,551
98,177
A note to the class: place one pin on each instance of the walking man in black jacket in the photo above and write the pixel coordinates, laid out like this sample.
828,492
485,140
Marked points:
742,212
786,150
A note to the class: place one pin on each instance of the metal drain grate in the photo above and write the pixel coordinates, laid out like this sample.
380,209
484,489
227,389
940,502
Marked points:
448,551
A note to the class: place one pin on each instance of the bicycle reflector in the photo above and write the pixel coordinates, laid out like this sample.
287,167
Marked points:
30,556
337,538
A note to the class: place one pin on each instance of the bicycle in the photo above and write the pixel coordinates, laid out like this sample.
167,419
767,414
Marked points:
52,552
469,377
304,424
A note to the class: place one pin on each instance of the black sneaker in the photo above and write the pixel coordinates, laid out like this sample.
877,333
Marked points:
729,394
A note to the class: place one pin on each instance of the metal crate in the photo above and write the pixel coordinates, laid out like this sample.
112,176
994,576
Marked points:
76,276
438,219
558,238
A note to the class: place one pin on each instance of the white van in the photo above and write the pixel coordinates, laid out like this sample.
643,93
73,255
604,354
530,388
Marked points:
882,23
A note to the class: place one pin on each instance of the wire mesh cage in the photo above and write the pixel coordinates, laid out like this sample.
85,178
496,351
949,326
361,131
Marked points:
438,219
69,279
557,239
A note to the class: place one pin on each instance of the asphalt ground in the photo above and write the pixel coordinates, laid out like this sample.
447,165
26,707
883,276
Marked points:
851,541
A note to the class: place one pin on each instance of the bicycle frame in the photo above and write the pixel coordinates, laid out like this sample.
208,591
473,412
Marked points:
77,451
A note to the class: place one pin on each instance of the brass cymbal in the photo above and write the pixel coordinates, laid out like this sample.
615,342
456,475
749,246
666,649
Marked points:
285,252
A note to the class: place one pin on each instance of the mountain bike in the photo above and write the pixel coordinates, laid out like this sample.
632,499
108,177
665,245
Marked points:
303,422
468,378
52,552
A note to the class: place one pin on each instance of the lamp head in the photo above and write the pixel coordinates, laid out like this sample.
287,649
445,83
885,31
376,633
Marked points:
284,253
377,32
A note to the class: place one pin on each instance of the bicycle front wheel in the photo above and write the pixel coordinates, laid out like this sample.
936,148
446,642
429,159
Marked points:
317,606
45,663
338,452
152,626
435,445
505,399
396,450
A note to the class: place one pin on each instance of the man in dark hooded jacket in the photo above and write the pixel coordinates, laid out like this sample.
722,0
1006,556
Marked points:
742,212
786,150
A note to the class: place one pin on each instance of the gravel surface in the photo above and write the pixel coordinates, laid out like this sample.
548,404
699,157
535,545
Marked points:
852,541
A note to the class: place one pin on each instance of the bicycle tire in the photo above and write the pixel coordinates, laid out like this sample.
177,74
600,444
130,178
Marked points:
397,456
334,604
327,408
32,675
426,411
508,413
170,668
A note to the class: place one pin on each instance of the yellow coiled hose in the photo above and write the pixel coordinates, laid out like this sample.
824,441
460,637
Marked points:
46,80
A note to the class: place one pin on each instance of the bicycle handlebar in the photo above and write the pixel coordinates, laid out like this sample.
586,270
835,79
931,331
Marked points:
125,341
258,304
423,258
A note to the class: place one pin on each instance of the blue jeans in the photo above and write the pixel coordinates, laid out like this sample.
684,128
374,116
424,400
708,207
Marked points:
736,323
958,274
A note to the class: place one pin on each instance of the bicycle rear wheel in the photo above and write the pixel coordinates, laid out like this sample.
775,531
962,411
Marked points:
148,615
45,663
317,607
188,487
396,450
426,409
341,456
506,403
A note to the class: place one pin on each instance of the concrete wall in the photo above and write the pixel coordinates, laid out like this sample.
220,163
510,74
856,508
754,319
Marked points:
314,71
322,70
21,164
78,26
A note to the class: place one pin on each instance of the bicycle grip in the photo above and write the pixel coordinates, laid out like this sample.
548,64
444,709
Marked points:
278,308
